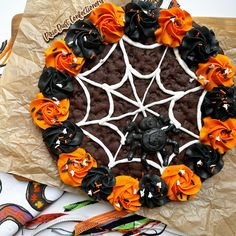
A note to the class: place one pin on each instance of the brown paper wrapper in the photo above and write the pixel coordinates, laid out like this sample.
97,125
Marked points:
22,151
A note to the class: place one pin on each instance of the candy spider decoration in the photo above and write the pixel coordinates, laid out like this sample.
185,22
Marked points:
151,136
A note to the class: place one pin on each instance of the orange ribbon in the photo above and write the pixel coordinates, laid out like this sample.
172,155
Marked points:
98,220
6,53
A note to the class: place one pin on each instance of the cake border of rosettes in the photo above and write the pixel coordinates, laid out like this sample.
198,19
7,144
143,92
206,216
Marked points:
64,61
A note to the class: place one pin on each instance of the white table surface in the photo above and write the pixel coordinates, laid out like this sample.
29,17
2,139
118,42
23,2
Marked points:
214,8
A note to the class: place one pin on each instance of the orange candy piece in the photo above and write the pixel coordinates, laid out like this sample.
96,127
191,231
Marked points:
221,135
46,112
218,71
125,194
109,19
173,25
74,166
182,183
60,56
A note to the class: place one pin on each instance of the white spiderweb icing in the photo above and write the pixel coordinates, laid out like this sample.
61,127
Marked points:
111,90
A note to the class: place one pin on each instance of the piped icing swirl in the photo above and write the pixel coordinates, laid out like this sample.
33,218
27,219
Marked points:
220,103
182,183
217,71
64,138
141,20
198,45
84,39
74,166
153,191
55,84
221,135
204,160
99,183
109,19
46,112
60,56
173,25
125,194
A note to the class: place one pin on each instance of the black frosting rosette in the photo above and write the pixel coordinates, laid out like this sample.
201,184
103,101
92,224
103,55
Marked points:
63,138
198,45
204,160
153,191
98,183
220,103
84,39
55,84
141,20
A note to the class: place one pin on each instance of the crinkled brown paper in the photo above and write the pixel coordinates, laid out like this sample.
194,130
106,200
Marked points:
22,152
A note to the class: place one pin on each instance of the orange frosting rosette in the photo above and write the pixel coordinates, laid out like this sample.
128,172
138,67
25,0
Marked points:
221,135
46,112
182,183
74,166
125,194
60,56
173,25
109,19
218,71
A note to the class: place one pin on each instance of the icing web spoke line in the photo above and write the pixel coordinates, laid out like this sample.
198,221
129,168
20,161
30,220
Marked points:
166,100
130,77
132,113
152,112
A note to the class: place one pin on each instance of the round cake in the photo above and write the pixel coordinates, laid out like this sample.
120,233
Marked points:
137,105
